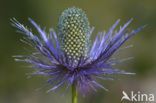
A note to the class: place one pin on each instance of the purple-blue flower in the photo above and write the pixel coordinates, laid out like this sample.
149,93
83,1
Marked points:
68,56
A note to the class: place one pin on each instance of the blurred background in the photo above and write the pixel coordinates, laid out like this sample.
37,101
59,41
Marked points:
16,87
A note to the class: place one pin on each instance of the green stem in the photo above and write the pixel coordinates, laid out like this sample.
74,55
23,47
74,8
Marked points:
74,93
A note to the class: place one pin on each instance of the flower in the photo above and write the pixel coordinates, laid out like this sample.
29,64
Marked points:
69,56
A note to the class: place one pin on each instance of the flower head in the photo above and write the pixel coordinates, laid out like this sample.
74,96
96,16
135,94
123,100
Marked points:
69,56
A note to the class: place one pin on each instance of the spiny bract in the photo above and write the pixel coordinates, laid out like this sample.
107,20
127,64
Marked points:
69,57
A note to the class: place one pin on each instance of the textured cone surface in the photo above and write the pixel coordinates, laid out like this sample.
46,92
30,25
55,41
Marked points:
73,31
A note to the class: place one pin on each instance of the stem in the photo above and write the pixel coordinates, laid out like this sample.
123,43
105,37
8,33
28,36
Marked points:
74,93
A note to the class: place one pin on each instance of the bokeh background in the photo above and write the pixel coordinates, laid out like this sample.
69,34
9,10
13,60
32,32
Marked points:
16,87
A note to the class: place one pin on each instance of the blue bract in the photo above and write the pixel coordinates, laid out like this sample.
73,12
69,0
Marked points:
69,56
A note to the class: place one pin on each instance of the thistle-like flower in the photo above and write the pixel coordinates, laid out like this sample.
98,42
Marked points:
69,57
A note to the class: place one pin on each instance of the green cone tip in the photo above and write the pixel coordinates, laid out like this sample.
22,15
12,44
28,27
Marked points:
73,29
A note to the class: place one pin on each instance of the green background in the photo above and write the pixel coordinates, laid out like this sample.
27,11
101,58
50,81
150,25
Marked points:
16,87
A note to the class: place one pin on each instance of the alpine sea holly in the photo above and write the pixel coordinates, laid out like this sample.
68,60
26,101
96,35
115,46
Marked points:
69,55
